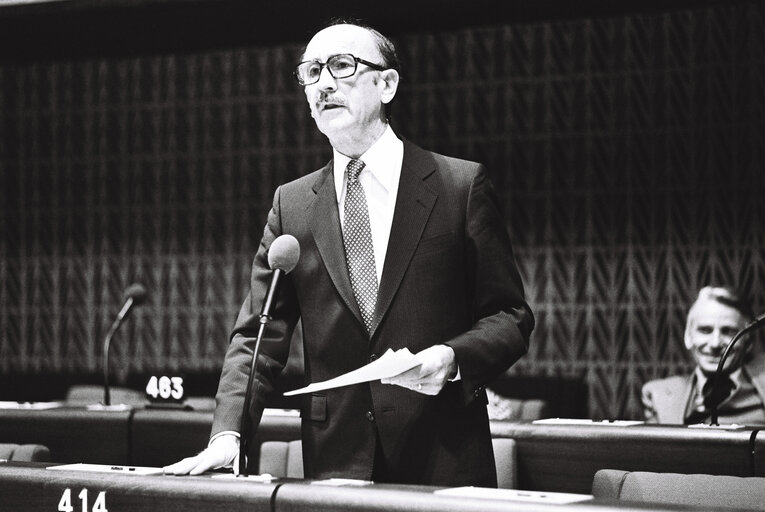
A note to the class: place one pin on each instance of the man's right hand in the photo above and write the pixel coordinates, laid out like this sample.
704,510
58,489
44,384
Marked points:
222,451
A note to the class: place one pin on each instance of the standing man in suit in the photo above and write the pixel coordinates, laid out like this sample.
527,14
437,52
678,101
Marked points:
716,316
420,259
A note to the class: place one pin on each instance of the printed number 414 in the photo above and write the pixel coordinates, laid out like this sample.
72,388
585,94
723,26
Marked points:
65,503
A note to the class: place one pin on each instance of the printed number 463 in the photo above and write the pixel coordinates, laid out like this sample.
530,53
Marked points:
65,503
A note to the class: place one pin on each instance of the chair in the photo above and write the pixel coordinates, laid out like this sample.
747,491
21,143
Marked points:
24,452
89,394
501,407
506,461
281,458
715,491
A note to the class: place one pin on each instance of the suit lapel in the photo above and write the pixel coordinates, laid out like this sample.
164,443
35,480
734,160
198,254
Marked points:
755,368
414,204
324,222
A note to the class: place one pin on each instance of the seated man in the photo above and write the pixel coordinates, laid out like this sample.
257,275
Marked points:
716,316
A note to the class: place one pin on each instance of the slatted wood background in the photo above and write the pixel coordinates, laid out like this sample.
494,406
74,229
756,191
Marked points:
628,152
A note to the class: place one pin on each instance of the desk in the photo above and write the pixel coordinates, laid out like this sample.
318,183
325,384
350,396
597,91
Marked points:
564,458
32,488
72,434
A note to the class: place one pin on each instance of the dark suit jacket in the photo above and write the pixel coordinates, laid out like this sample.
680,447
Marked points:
666,400
449,277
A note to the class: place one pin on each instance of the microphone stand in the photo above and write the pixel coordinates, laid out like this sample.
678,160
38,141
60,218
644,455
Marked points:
716,377
107,342
265,317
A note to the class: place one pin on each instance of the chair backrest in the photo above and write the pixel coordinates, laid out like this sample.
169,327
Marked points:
24,452
506,461
281,458
88,394
501,407
717,491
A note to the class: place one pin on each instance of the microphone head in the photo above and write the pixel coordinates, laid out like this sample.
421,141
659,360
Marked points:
284,253
137,292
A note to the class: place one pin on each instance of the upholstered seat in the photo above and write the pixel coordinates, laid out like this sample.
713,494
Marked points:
281,458
715,491
24,452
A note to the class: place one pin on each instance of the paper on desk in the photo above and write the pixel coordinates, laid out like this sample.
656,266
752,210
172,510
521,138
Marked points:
107,468
390,364
577,421
557,498
30,405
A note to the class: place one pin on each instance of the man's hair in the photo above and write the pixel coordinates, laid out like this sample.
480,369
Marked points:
726,295
384,45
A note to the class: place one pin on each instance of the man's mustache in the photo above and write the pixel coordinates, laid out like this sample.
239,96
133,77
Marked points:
323,101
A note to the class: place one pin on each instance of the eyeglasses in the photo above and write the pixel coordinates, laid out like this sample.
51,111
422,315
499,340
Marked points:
339,66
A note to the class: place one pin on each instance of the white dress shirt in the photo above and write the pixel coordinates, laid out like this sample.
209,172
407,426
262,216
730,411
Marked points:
379,178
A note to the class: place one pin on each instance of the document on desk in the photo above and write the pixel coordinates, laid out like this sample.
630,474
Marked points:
557,498
109,468
36,406
390,364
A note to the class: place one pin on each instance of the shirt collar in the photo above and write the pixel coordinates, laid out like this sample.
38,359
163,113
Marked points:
377,159
702,378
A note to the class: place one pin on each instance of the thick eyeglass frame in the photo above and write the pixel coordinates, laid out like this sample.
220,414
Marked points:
322,65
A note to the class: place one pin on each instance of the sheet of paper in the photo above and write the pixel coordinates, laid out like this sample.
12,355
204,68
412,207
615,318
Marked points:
339,482
558,498
724,426
106,468
576,421
30,405
391,363
265,478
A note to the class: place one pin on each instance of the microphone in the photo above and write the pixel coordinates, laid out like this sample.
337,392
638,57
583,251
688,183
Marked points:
716,377
283,256
134,295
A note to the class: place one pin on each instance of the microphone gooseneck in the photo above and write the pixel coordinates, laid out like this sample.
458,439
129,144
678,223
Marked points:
134,295
283,256
716,377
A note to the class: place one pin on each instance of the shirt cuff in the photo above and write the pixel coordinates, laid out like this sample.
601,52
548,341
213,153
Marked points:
223,433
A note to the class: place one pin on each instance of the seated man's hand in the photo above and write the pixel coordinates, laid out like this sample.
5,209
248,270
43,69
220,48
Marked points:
223,451
438,365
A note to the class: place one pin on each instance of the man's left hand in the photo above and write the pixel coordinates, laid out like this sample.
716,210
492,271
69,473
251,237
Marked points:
438,365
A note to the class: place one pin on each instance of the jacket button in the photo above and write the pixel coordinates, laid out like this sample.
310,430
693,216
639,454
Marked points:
370,415
372,357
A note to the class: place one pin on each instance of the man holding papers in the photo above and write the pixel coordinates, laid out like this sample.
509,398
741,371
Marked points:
401,248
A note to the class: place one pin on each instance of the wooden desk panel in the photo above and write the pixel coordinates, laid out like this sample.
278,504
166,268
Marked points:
32,488
564,458
72,434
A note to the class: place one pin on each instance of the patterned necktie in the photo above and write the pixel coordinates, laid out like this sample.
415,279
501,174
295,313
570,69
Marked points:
357,238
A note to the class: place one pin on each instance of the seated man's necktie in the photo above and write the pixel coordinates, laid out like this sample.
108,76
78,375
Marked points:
357,238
